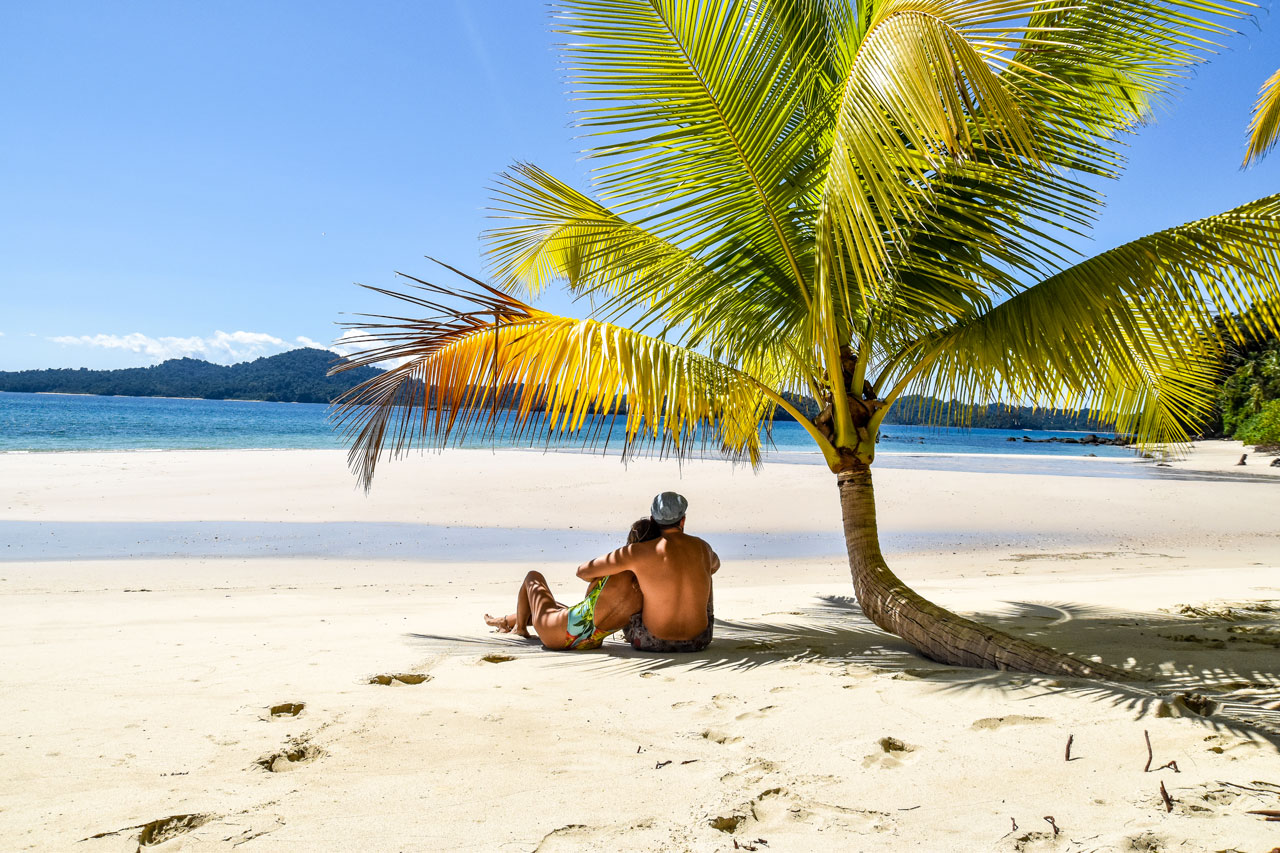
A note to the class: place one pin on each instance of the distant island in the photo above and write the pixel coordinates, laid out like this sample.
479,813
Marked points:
297,376
300,376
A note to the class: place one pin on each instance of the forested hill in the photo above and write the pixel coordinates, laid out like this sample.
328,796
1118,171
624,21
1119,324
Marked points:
297,376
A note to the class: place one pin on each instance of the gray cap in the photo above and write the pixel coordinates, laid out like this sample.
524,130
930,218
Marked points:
668,508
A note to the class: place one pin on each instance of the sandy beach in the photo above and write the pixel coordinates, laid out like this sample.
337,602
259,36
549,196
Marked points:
191,645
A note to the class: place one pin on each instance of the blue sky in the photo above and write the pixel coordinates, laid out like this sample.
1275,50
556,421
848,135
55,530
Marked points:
211,179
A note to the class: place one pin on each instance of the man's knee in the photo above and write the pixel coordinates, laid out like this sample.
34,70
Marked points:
535,577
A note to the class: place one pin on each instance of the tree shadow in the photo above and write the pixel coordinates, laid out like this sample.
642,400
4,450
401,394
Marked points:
1221,660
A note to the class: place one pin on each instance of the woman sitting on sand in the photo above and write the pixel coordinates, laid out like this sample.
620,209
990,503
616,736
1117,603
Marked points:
608,607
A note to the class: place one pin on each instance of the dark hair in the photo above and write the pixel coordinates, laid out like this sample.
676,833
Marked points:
643,530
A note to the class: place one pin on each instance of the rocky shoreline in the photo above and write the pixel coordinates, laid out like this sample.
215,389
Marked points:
1090,439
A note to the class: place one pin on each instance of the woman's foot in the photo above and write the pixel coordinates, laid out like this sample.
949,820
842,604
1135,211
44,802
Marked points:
506,625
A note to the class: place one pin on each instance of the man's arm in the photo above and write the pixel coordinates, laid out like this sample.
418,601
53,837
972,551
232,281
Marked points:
715,561
609,564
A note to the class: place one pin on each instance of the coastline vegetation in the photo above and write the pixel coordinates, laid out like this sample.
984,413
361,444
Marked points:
298,376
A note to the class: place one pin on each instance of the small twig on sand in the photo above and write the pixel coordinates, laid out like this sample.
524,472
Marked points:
1147,735
1070,738
688,761
1247,788
639,749
660,765
1171,764
1049,820
1168,800
1269,814
909,809
1015,825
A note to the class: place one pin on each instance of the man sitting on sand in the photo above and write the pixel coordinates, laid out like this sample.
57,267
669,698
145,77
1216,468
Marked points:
658,586
674,573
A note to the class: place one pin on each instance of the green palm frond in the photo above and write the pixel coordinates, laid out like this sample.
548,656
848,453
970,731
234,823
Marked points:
550,231
484,361
1129,334
1264,127
691,108
921,89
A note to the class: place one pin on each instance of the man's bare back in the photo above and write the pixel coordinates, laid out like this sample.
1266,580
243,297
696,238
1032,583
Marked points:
674,572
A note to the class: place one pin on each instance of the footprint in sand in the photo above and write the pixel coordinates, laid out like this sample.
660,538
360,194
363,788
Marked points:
755,715
776,809
1234,748
724,700
291,757
717,736
403,677
160,831
285,709
890,752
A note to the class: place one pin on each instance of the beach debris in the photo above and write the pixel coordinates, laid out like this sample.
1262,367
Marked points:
743,846
1147,735
403,677
1049,820
687,761
1070,739
727,824
1243,456
1168,800
1269,814
660,765
1172,765
1229,611
1015,825
496,658
287,709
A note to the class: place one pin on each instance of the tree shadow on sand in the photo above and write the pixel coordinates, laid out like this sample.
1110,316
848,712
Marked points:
1223,661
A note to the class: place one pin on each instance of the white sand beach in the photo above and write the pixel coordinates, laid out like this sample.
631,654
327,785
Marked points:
155,608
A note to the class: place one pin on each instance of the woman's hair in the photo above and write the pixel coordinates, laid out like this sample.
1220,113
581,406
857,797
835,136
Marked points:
643,530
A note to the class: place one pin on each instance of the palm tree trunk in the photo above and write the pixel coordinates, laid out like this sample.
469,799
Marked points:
937,633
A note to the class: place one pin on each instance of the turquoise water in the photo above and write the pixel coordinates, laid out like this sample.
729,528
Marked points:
60,422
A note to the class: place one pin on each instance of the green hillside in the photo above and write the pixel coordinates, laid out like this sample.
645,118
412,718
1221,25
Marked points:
297,376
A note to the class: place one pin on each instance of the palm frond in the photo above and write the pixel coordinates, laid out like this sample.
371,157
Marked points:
1264,127
693,111
483,361
734,305
1129,334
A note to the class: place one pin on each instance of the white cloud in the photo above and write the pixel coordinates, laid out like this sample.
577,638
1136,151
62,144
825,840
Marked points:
350,342
222,347
308,342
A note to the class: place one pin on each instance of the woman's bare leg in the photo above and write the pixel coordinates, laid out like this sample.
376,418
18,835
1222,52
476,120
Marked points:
536,606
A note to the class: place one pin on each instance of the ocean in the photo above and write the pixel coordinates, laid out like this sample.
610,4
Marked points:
34,423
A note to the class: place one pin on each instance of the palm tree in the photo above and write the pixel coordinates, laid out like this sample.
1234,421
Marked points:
811,199
1264,127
